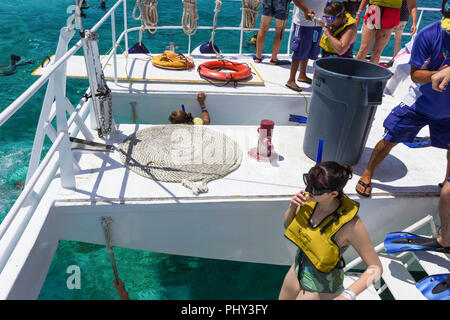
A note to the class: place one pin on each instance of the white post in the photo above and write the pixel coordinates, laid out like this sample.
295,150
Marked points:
65,153
242,33
113,31
125,23
56,88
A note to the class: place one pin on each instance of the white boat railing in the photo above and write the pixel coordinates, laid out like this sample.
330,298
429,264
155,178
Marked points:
53,74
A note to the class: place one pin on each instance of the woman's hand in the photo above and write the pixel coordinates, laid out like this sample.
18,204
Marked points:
297,200
300,198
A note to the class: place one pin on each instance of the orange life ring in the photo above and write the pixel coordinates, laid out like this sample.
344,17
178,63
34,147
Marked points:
211,70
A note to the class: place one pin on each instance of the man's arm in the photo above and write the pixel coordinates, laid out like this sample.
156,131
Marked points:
423,76
309,14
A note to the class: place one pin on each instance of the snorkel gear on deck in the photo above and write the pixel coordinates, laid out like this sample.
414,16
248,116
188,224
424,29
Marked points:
435,287
405,241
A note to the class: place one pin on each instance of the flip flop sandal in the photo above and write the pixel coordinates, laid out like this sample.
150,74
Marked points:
366,186
279,62
257,60
294,87
308,81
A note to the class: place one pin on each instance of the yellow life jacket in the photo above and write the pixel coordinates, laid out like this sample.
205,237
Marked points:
172,60
198,121
396,4
325,43
317,243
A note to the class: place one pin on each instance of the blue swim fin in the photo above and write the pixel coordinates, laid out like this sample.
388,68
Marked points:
435,287
419,142
405,241
297,118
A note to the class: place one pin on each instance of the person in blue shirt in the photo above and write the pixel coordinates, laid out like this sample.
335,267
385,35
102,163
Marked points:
422,105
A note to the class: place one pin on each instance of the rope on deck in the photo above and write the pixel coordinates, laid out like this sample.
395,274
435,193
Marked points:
187,154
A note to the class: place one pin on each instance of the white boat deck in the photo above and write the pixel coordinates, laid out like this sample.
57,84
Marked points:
136,73
405,171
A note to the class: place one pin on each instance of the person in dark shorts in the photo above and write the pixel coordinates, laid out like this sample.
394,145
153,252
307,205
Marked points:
278,9
422,105
305,40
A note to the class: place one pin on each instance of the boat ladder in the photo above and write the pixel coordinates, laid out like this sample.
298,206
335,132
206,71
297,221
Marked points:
398,268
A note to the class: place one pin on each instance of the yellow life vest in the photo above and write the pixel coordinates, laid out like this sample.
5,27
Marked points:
172,60
396,4
317,243
325,43
198,121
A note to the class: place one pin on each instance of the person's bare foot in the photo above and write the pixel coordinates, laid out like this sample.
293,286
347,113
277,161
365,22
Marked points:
442,243
201,96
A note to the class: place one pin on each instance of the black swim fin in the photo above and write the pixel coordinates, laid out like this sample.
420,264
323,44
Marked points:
14,59
405,241
435,287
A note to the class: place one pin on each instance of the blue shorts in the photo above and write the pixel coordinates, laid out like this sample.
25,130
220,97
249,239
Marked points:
305,42
404,123
279,9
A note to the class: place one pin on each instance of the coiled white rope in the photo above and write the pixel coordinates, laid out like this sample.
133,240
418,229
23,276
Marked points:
251,9
148,15
187,154
190,17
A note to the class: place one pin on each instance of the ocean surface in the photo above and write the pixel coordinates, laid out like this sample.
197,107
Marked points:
30,29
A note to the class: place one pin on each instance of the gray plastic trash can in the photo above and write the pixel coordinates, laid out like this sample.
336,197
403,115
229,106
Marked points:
345,93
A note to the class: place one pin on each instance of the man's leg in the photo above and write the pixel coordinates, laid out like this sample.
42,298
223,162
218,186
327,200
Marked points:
444,214
302,74
291,82
280,25
381,39
263,28
379,153
367,36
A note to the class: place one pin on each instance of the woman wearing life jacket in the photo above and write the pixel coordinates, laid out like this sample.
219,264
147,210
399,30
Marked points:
339,31
322,222
183,117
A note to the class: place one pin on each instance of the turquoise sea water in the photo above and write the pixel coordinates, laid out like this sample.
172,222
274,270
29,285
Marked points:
30,29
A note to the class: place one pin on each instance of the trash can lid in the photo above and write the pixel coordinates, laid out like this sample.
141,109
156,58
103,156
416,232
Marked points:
351,69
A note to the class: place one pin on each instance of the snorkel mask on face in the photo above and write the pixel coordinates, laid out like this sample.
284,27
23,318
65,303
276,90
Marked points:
330,19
